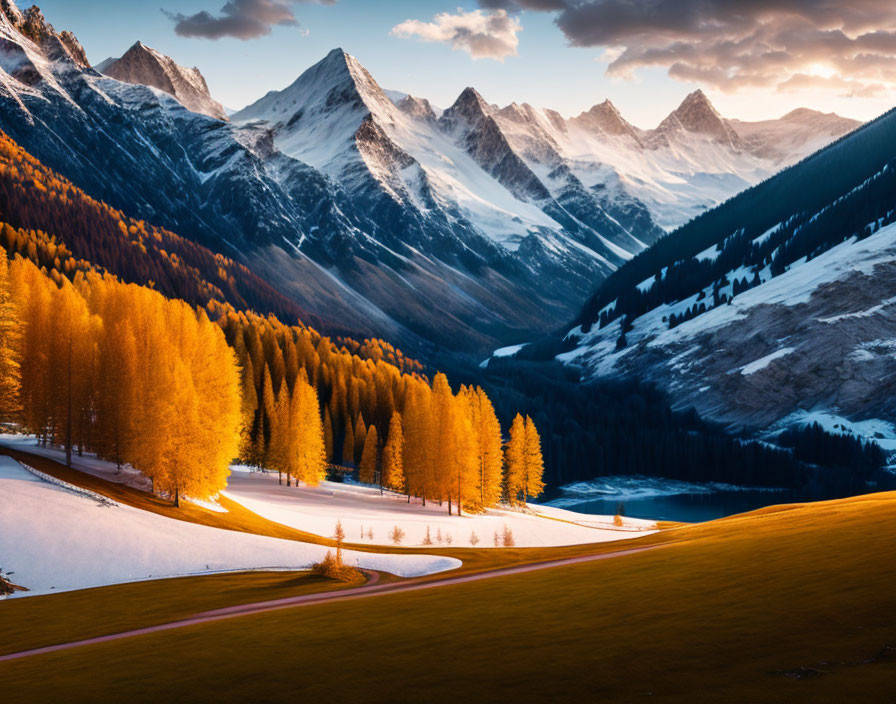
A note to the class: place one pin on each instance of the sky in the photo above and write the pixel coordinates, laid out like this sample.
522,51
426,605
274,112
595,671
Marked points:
755,59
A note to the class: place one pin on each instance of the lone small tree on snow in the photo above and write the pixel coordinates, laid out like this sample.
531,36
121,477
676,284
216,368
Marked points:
397,535
509,542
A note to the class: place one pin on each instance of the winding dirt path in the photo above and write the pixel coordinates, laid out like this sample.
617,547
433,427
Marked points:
370,589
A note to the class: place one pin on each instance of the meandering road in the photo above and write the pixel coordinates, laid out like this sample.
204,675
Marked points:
371,589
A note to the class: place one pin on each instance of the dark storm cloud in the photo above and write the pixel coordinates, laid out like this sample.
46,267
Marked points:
243,19
733,44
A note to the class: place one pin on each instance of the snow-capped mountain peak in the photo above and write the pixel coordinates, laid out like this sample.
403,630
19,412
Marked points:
32,25
605,118
146,66
697,114
469,108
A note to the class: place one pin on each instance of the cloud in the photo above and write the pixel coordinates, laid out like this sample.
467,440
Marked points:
483,34
242,19
733,45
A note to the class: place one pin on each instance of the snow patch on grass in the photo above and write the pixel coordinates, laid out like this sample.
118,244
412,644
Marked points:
57,540
362,508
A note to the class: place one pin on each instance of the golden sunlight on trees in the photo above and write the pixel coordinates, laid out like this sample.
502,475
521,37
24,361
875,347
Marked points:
88,362
121,370
486,448
370,458
393,456
524,463
10,339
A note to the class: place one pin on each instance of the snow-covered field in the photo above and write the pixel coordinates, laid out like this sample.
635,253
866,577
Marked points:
55,539
316,510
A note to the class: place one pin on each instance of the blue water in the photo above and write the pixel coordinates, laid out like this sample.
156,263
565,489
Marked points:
667,500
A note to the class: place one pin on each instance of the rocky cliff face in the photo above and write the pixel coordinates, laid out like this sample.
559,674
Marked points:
145,66
407,223
776,307
32,25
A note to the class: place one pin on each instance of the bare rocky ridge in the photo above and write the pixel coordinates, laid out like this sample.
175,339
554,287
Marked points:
31,24
418,226
605,118
145,66
838,355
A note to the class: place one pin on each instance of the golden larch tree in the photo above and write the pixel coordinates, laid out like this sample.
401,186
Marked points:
393,456
487,448
370,457
10,341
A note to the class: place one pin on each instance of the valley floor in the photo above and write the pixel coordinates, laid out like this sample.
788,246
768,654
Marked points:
362,508
790,603
54,537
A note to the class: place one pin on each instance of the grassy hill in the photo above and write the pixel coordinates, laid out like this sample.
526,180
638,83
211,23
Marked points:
791,603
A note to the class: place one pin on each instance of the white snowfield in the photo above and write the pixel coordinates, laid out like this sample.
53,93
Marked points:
357,507
54,539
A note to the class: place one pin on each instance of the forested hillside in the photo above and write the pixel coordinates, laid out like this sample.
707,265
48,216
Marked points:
607,427
85,364
846,189
66,229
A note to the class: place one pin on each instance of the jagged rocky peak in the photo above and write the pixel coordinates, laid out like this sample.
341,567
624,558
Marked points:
32,24
697,114
469,107
336,82
418,108
144,65
522,114
604,117
9,10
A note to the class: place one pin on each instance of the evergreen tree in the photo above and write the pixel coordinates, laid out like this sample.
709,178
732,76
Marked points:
10,340
393,456
370,458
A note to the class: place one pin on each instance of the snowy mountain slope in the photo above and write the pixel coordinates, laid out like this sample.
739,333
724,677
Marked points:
693,160
336,118
57,539
756,314
143,65
368,207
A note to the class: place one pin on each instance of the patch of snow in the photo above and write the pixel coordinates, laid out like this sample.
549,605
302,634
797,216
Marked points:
508,351
56,540
708,254
763,362
316,510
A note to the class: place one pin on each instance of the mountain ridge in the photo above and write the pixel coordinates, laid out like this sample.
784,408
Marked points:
146,66
406,226
762,317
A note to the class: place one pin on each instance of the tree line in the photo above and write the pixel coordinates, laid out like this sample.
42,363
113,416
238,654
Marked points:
400,430
94,364
857,166
120,370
